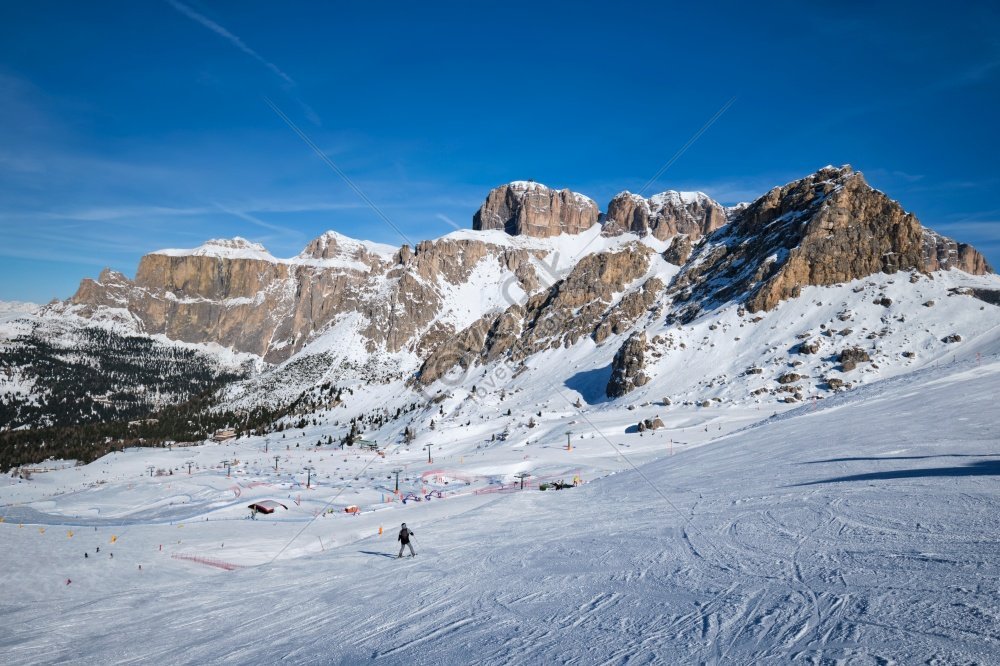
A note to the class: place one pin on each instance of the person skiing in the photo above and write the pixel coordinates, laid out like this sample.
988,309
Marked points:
404,540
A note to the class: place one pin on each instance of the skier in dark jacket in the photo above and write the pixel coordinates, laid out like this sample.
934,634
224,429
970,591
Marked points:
404,540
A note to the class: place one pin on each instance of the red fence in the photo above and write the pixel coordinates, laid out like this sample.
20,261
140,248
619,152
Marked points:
210,561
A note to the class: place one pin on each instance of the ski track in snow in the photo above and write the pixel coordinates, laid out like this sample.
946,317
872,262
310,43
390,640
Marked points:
813,538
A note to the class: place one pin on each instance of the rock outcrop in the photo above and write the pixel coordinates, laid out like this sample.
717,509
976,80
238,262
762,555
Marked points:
527,208
579,305
236,294
627,368
650,424
828,228
111,290
850,357
679,250
942,253
664,215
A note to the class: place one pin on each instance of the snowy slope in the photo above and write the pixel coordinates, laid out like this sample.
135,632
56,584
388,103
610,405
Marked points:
59,369
820,490
857,530
341,352
17,308
713,359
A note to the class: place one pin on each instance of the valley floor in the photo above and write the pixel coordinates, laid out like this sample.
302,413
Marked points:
858,530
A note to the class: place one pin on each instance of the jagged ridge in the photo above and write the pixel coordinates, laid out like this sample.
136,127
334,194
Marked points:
827,228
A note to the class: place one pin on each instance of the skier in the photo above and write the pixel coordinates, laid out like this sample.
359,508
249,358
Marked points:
404,540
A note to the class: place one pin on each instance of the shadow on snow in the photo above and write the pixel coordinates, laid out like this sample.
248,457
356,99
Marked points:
940,455
591,384
981,468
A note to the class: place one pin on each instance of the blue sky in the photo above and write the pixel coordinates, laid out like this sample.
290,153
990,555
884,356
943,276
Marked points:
131,126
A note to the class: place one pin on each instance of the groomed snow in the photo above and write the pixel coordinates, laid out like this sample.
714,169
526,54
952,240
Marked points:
858,530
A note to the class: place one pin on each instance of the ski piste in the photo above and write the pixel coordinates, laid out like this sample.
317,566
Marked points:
847,547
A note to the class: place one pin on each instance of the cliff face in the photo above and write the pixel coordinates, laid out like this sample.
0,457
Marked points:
942,253
664,215
582,304
470,298
827,228
526,208
235,294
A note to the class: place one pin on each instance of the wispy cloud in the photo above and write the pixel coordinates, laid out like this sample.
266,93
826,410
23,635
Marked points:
20,164
115,213
53,256
448,220
971,231
980,72
252,219
71,243
231,38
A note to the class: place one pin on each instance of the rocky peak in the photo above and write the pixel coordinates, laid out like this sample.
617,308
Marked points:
527,208
943,253
109,276
334,249
664,215
110,289
331,245
827,228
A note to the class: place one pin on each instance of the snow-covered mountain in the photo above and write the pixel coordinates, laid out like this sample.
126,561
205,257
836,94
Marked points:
771,426
76,387
817,286
664,215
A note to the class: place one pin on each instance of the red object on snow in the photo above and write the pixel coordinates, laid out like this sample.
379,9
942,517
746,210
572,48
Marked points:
267,506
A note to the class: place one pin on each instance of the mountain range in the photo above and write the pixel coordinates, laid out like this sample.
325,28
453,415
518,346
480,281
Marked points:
815,287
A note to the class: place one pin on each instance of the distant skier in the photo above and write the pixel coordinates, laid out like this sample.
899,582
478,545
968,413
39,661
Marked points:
404,540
